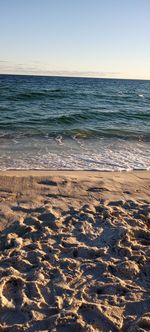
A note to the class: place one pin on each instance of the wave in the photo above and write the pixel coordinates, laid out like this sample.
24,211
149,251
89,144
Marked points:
35,95
110,97
93,115
77,133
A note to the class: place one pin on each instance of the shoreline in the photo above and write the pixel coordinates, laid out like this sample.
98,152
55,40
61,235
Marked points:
113,185
68,171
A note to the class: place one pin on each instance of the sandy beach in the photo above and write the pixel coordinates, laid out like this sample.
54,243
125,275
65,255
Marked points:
74,251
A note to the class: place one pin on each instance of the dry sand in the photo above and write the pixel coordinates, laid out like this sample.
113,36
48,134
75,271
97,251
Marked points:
74,251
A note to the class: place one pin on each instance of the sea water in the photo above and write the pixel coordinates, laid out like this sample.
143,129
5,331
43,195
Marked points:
74,123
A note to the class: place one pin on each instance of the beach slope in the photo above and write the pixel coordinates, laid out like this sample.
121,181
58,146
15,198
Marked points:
74,251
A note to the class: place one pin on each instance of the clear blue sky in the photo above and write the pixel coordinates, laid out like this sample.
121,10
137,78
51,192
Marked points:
106,38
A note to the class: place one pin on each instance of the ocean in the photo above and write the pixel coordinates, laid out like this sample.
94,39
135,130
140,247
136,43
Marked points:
74,123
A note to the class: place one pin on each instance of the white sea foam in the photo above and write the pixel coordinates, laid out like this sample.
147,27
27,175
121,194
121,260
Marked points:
96,154
59,139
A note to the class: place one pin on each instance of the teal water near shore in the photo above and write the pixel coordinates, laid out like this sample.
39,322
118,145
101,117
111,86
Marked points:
74,123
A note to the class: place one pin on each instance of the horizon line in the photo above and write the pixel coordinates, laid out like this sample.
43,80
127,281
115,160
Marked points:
76,76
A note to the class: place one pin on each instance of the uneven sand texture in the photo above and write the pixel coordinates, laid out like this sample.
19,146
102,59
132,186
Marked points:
74,251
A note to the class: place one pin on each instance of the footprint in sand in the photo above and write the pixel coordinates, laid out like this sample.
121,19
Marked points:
12,291
93,315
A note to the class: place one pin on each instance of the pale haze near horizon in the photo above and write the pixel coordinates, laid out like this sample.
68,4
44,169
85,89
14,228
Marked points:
96,38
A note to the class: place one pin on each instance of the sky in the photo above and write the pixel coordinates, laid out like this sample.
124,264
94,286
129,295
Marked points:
96,38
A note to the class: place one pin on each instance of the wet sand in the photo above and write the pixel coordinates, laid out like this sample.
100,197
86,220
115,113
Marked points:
74,251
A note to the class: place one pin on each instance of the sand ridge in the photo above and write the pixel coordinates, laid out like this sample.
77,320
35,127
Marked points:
74,252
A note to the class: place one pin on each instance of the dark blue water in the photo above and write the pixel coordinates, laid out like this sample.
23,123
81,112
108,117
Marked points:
74,123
